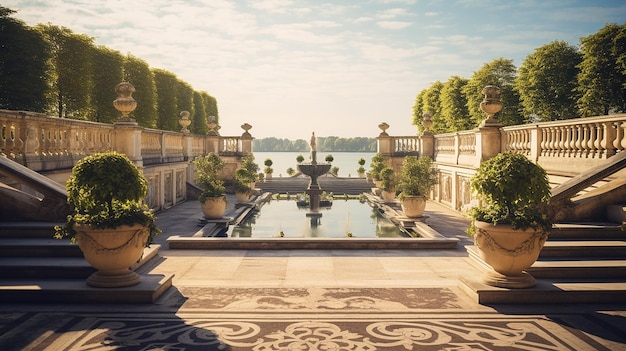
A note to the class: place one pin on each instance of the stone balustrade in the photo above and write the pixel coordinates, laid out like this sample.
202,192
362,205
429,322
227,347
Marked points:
43,143
563,148
52,145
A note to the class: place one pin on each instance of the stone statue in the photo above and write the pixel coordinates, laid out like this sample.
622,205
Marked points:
313,144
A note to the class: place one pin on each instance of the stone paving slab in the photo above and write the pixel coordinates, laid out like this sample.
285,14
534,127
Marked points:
312,300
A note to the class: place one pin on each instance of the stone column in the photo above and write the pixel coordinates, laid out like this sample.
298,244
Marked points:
385,142
246,140
427,140
127,135
488,136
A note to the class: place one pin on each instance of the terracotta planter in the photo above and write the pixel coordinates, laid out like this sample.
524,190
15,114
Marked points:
214,207
509,252
112,252
242,197
388,195
413,206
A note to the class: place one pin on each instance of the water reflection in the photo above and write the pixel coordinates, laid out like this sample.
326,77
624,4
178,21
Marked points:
346,218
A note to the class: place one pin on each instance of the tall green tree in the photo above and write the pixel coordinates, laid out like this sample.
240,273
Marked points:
23,65
107,73
210,105
167,91
418,110
199,117
72,82
602,79
547,82
137,72
502,73
432,105
454,105
184,100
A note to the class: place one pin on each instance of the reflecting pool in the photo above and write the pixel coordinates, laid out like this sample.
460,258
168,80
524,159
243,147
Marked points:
283,218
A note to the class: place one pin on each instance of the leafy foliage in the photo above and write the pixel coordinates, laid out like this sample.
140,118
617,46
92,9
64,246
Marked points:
417,176
602,78
23,85
207,178
138,73
547,82
501,73
107,190
454,112
109,72
376,166
388,178
513,190
72,81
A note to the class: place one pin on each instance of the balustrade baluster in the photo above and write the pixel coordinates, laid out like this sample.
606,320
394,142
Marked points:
593,139
608,136
619,136
544,142
560,131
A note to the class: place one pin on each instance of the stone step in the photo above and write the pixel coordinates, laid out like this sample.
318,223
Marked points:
578,269
566,291
38,247
76,291
594,231
350,186
563,280
570,267
59,267
27,229
45,267
616,213
584,248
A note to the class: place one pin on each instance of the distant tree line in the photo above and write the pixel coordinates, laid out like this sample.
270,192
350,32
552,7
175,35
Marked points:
324,144
50,69
555,82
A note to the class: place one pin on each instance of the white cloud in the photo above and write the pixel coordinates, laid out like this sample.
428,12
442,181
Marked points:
393,24
303,65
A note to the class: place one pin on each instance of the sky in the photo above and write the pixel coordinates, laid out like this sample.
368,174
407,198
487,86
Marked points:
338,68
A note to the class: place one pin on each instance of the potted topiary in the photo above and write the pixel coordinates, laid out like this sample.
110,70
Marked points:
268,168
388,184
212,191
247,162
417,177
110,221
361,170
511,225
376,166
242,184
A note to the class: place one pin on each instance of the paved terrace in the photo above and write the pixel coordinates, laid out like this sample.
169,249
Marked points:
312,300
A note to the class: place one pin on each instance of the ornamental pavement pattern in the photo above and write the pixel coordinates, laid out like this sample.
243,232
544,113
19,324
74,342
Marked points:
263,319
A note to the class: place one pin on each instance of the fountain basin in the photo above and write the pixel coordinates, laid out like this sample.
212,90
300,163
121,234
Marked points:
314,170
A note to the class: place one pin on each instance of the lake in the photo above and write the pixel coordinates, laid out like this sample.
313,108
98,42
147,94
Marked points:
346,161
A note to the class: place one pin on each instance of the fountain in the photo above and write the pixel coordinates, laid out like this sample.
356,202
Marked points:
314,170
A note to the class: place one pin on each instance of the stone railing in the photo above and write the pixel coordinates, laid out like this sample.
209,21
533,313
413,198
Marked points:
568,147
43,143
52,145
563,148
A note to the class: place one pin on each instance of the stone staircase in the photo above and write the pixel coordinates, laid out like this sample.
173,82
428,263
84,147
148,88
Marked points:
328,183
35,267
580,263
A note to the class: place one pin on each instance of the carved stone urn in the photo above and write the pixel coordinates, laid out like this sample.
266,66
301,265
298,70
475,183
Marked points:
112,252
509,252
125,102
491,105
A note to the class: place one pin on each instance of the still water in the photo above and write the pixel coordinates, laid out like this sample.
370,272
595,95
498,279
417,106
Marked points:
345,216
346,161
